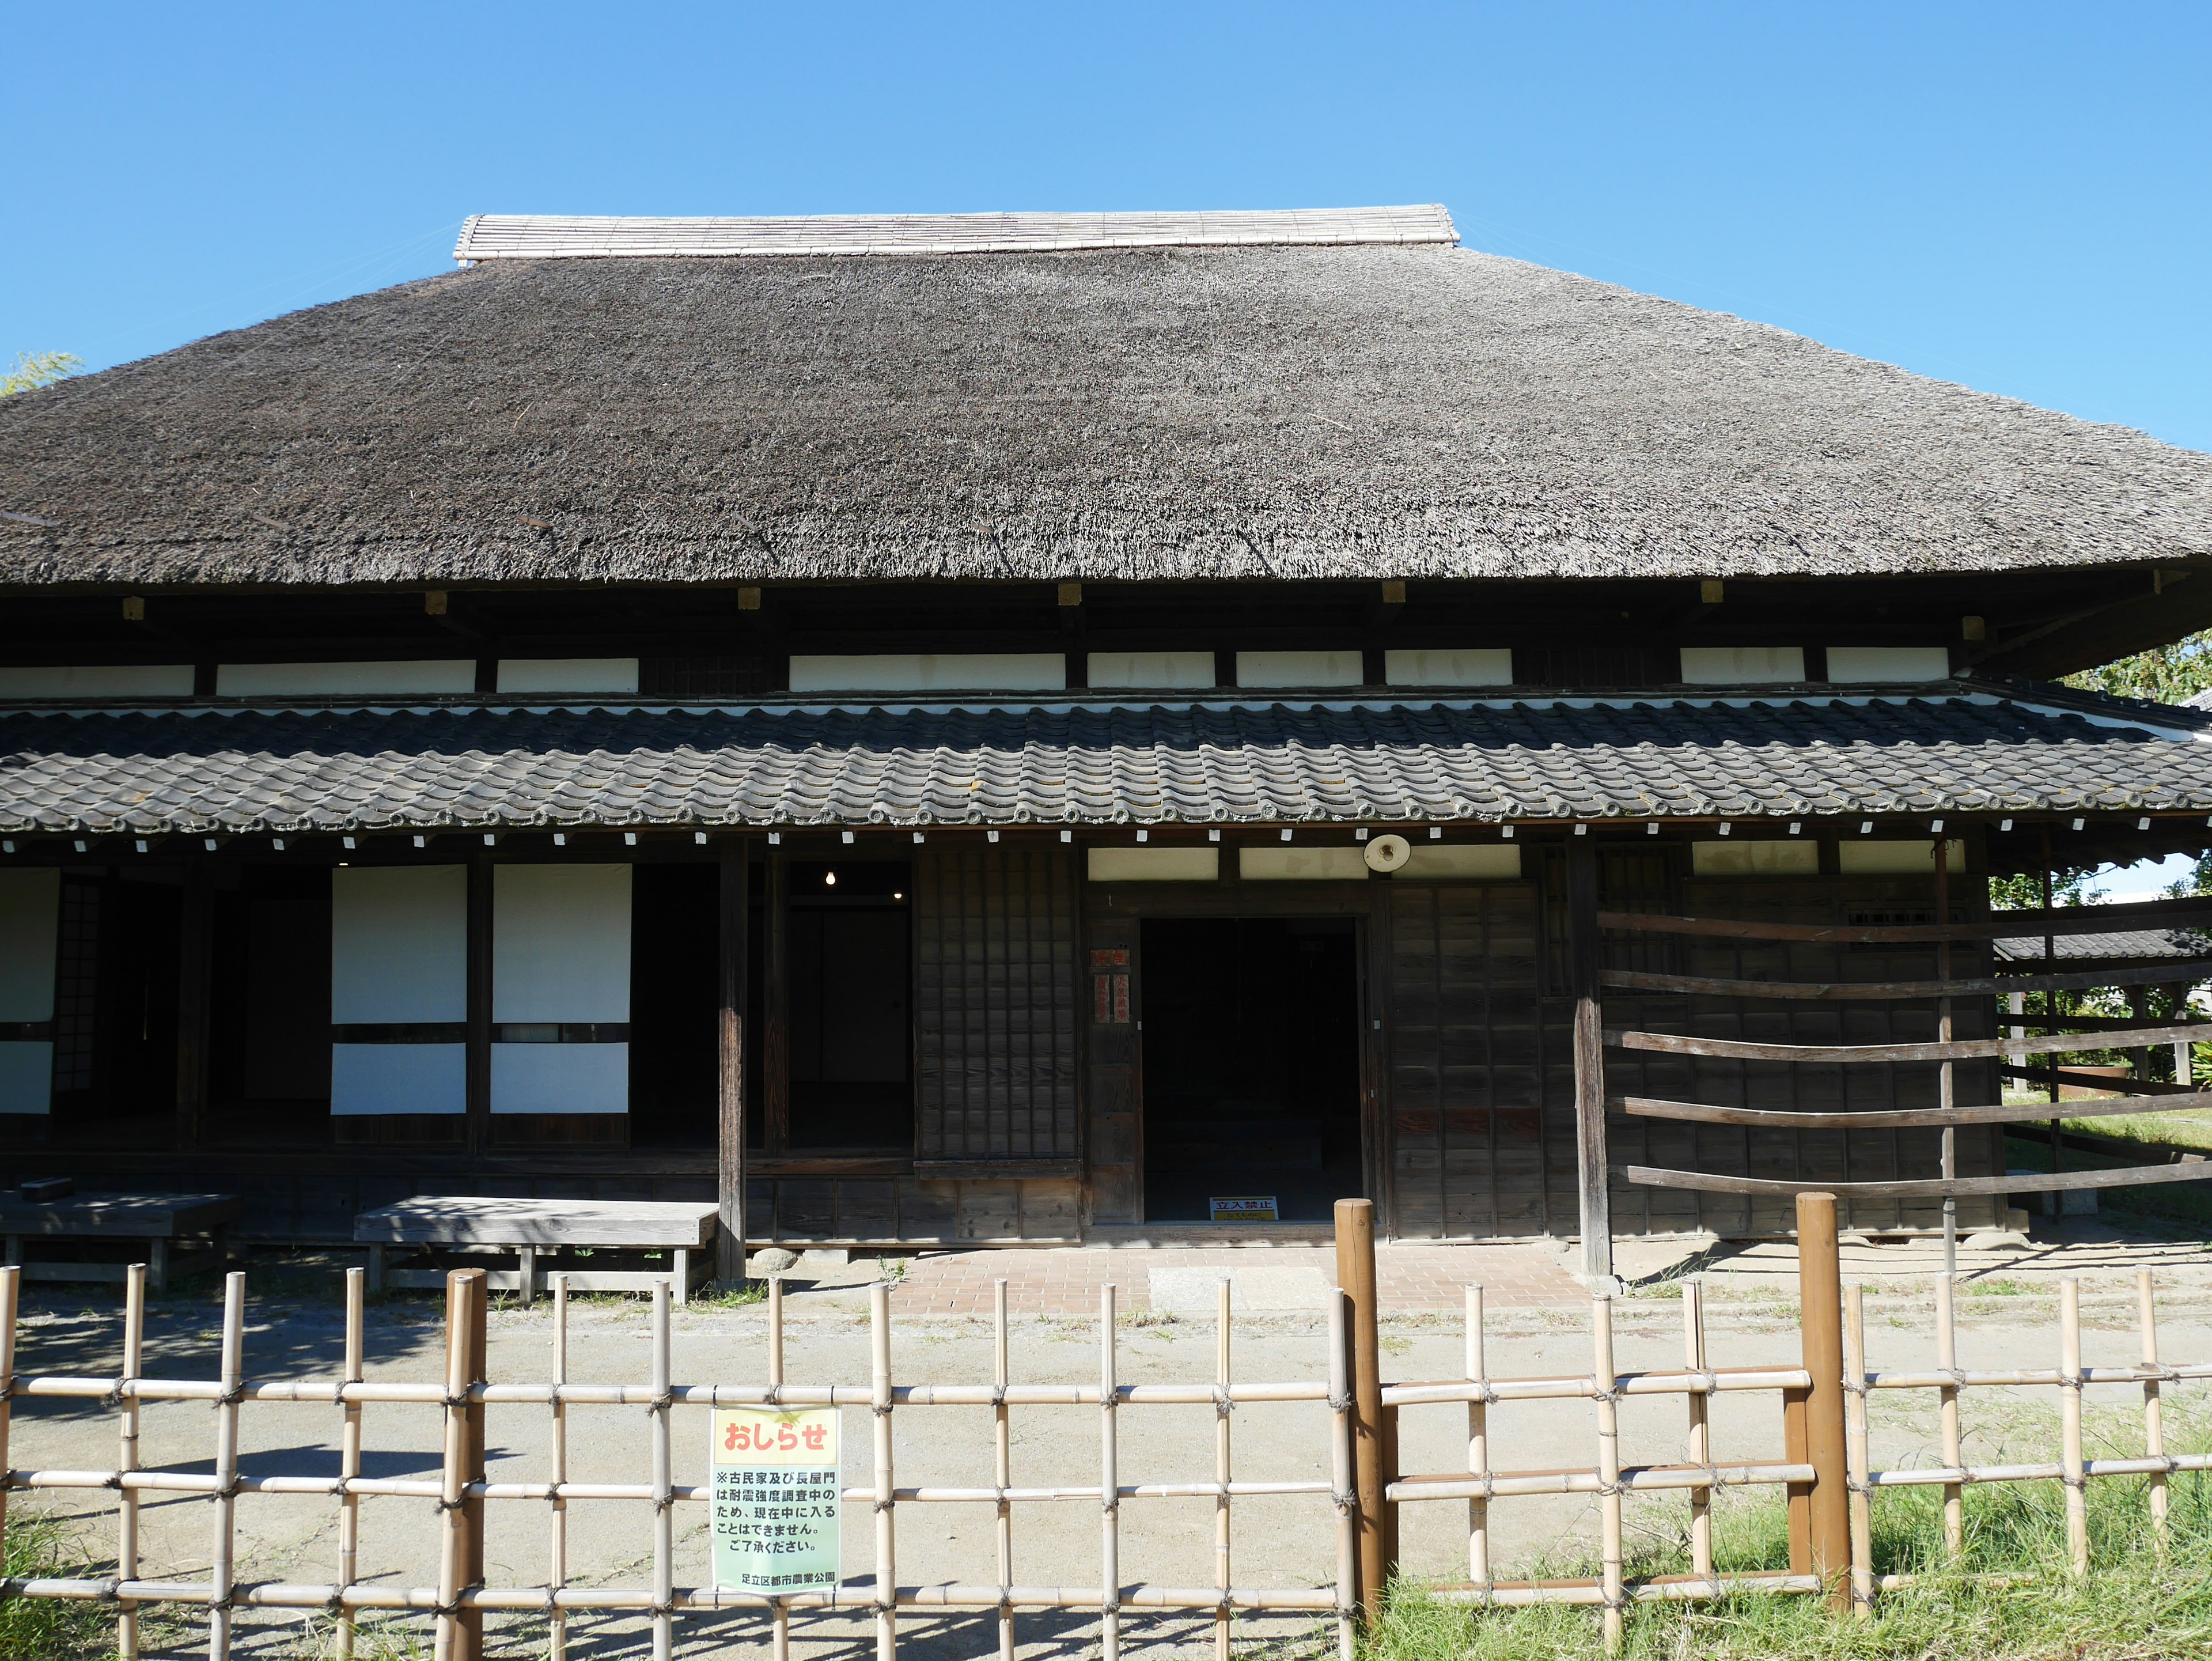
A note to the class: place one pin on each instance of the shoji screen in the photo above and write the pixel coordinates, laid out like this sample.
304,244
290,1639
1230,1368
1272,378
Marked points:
399,958
560,988
30,913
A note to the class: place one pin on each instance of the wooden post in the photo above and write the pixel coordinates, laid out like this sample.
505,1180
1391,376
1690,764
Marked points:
478,1125
557,1618
1110,1486
1946,1407
2153,1410
1821,1316
1355,1274
879,1351
775,1008
11,1281
1583,954
1341,1480
195,1003
461,1633
349,1458
2055,1201
1478,1445
223,1554
1002,1466
1222,1305
1605,1375
126,1503
1946,1083
663,1498
1701,1434
2070,1427
730,1045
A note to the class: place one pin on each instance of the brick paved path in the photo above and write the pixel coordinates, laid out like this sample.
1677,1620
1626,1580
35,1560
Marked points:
1068,1281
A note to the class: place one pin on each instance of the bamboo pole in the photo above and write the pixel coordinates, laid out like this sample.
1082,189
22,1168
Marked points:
1947,1361
1002,1463
1857,1459
11,1281
460,1556
1110,1488
1341,1482
879,1345
1478,1443
2154,1408
779,1615
1946,1092
1701,1436
223,1554
557,1546
1221,1467
2070,1421
350,1453
663,1503
1608,1469
1355,1275
126,1506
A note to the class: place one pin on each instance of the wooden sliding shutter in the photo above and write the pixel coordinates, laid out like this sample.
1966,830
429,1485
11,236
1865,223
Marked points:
1466,1153
995,1002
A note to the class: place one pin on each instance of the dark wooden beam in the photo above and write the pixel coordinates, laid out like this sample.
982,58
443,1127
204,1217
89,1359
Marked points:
729,1047
195,1001
1585,949
775,1009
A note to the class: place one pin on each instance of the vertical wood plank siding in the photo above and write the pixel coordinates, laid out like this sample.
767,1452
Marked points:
995,978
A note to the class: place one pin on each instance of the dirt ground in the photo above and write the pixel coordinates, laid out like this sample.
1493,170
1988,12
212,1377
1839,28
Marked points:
297,1330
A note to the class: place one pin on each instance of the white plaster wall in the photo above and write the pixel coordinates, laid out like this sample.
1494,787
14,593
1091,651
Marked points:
400,1078
1155,864
560,943
932,672
1745,858
1862,663
560,1078
1301,864
1741,666
1160,670
271,680
30,918
100,680
1299,668
1494,861
1896,858
1489,666
399,943
518,675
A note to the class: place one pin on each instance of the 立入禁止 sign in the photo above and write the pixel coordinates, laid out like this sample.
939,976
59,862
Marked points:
1242,1208
775,1499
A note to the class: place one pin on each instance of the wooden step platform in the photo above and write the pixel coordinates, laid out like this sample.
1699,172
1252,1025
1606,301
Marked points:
536,1229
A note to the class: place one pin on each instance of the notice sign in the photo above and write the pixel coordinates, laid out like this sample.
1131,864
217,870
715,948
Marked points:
1243,1208
775,1499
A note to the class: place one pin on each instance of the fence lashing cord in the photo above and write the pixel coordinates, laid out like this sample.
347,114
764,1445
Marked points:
1344,1404
998,1395
1222,1404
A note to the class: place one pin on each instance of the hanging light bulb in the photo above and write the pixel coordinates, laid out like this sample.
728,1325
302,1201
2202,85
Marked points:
829,880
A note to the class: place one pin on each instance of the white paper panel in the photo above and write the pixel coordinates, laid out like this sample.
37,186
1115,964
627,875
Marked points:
101,681
932,672
1741,666
1160,670
560,943
274,681
30,915
1300,668
568,675
1496,862
1303,864
1489,666
1155,864
560,1078
1895,858
399,943
400,1078
1877,663
26,1075
1742,858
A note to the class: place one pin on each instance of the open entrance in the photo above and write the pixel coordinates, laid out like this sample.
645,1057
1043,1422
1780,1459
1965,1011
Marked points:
1251,1064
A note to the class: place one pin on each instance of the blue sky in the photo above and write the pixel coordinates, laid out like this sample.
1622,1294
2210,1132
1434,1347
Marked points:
2015,197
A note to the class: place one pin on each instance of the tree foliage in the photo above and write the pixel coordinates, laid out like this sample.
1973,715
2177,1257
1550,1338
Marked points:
2165,674
35,369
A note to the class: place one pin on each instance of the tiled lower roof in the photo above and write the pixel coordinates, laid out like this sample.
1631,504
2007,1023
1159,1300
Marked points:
1744,758
2151,943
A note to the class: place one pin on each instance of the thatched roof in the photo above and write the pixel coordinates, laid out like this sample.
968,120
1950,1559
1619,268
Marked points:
1368,409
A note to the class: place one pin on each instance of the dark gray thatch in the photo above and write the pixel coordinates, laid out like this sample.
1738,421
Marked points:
1185,412
1978,751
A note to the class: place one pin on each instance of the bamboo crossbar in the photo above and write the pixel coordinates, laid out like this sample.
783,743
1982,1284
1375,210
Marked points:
1957,1049
2079,980
1659,1589
1648,1107
1584,1387
338,1392
1637,1478
2005,925
1932,1187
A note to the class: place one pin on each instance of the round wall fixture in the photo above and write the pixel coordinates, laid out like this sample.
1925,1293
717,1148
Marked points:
1388,853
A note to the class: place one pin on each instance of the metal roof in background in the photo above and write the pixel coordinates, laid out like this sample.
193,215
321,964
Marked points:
236,771
546,237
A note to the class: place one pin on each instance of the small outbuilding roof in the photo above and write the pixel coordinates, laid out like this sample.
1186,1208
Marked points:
1186,403
237,770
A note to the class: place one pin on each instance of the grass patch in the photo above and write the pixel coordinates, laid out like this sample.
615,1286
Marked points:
49,1629
2009,1598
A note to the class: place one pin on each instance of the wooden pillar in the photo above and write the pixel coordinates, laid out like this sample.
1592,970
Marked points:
1821,1316
1584,959
1355,1275
194,1002
478,1128
730,1045
775,1008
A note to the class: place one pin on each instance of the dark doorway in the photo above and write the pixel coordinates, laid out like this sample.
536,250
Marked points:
849,957
675,1002
115,1010
1251,1064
